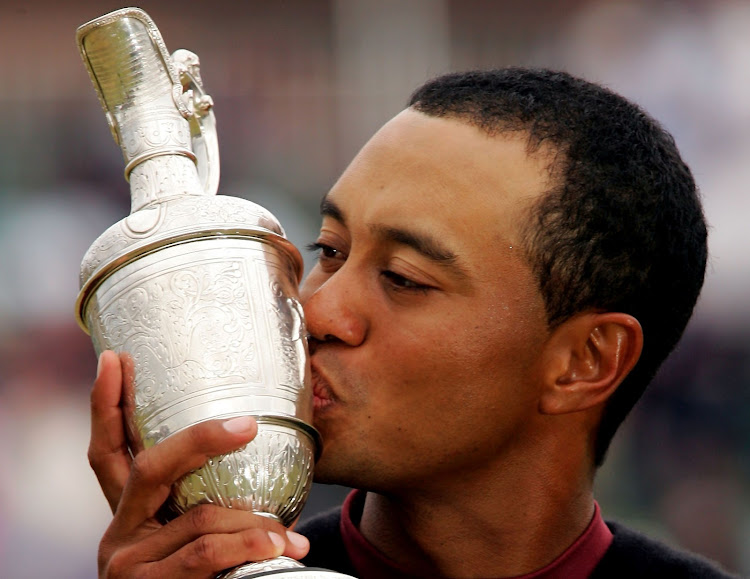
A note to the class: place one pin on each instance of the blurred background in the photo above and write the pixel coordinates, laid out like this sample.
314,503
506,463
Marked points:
299,86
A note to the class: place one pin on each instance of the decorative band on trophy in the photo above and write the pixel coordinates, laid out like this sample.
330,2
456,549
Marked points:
153,153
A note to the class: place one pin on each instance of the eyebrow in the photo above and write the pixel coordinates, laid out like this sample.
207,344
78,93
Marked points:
329,209
423,244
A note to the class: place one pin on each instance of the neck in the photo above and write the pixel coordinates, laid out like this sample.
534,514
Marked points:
481,527
161,178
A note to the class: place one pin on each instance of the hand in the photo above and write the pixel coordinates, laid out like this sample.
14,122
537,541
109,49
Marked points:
200,543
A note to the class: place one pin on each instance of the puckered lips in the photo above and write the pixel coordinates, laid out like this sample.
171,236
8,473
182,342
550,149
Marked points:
323,397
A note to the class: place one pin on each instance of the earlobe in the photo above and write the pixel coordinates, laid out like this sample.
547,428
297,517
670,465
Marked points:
588,356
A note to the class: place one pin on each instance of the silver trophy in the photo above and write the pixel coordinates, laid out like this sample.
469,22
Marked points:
196,292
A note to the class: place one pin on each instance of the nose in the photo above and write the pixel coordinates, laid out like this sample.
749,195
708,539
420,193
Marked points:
334,307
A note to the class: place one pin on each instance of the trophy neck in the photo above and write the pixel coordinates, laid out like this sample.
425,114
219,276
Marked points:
147,108
162,178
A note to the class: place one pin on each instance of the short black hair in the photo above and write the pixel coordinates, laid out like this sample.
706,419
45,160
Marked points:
621,230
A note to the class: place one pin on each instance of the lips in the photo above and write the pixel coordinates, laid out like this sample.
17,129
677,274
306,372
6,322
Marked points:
322,394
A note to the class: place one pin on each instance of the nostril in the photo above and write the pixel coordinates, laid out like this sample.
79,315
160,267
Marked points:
313,342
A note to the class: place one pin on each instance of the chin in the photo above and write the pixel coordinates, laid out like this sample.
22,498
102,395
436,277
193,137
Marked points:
328,472
322,472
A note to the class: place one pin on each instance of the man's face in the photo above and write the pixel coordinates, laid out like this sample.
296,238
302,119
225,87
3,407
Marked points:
427,323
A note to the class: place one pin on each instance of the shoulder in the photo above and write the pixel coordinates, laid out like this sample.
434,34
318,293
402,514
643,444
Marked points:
632,554
327,548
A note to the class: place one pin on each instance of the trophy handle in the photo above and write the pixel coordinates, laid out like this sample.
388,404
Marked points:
202,120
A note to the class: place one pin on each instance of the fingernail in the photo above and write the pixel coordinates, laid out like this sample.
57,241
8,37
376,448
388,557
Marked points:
299,541
239,425
99,366
278,541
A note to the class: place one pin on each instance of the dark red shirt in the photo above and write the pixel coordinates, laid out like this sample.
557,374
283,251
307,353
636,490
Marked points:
578,560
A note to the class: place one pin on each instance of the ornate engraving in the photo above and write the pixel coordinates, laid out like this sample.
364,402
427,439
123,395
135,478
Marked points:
161,176
143,223
186,331
111,242
155,127
221,210
289,344
176,215
269,475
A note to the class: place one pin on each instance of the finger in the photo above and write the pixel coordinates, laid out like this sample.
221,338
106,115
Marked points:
210,554
215,520
154,470
108,449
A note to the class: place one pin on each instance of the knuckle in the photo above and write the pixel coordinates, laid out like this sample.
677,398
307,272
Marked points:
114,564
255,540
142,466
204,551
203,516
96,456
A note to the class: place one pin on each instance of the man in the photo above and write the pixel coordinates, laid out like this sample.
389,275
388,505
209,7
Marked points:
502,269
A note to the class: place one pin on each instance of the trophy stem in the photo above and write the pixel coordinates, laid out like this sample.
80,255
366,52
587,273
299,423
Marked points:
269,516
281,567
268,567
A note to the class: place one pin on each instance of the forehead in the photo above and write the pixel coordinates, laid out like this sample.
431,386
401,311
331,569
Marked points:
445,176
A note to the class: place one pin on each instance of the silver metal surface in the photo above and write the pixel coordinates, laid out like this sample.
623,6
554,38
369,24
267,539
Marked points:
196,292
283,567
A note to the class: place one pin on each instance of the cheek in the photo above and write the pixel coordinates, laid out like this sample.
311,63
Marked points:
491,362
433,367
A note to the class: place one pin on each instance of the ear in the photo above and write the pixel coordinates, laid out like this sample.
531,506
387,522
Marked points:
587,357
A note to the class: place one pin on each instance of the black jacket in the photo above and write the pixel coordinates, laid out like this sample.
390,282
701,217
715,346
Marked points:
630,555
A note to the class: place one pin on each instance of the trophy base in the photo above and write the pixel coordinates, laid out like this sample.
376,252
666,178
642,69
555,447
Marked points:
283,568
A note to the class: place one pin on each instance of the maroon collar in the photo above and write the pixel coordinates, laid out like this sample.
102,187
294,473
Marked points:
577,562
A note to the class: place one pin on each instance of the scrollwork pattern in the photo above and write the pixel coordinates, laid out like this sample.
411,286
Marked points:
289,341
153,127
176,215
161,176
186,330
272,474
221,210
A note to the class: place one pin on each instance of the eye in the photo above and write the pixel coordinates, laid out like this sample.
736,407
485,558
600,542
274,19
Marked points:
328,256
324,250
401,283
